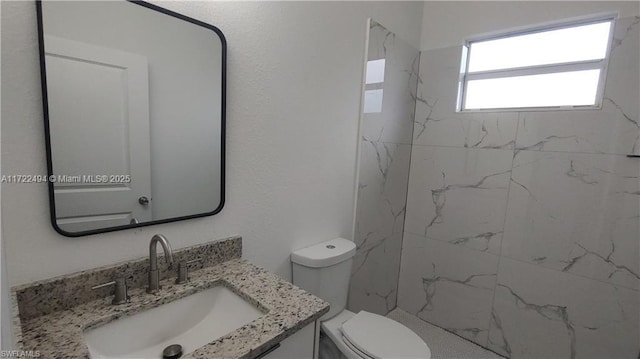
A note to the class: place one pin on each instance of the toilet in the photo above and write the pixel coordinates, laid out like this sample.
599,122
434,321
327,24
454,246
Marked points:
324,269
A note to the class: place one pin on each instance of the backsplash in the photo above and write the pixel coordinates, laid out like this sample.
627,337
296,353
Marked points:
67,291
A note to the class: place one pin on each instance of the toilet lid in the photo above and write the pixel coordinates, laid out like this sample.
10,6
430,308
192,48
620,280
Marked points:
380,337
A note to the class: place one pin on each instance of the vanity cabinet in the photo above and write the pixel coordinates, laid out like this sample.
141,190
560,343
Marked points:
298,346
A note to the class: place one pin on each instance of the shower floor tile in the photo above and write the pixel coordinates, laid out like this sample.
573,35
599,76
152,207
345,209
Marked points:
443,344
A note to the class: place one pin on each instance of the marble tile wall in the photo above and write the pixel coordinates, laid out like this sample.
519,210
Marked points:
522,228
385,152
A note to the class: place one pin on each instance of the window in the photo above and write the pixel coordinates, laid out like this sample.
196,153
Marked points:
374,81
559,66
375,71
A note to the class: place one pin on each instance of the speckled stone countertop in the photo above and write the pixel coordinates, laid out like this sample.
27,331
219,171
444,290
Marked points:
287,309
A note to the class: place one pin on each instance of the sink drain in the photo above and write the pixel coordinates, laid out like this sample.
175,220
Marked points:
173,351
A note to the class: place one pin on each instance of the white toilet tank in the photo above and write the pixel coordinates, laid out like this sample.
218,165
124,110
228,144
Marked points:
324,269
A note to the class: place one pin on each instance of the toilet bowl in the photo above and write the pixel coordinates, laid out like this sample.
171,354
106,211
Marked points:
324,269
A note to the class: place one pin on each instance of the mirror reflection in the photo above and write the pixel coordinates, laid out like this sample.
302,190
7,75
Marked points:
134,108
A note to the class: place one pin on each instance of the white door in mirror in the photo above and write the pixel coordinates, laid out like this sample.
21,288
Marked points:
99,97
191,322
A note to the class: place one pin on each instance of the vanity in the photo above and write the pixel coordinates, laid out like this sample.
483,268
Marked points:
229,308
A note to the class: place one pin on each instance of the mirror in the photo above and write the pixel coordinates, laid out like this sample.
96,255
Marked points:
134,107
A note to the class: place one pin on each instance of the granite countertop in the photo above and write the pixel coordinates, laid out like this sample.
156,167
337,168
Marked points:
287,309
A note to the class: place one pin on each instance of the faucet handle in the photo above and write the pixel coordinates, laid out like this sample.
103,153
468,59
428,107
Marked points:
121,296
183,270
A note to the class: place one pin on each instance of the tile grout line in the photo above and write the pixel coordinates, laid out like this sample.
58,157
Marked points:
515,148
504,224
524,261
406,196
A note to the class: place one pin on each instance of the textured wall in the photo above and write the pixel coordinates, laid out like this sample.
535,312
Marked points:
385,152
449,23
6,341
521,231
295,71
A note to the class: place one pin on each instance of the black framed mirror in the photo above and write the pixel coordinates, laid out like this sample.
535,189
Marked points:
134,113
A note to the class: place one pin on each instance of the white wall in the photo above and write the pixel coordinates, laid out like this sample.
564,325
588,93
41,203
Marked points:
449,23
293,104
6,342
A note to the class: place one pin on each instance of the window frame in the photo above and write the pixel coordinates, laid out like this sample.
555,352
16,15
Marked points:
563,67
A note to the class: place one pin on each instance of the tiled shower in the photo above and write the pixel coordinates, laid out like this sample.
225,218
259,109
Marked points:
518,231
385,154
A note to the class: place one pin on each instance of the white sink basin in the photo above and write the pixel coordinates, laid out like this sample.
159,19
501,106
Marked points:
192,322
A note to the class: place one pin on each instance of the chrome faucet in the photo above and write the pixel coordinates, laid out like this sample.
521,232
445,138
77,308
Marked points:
154,273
